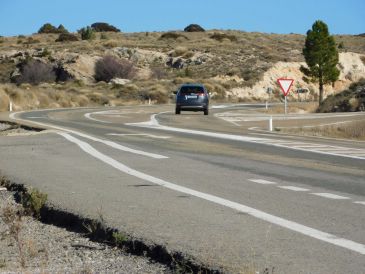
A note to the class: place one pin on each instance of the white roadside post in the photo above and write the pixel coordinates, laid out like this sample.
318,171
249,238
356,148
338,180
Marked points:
10,106
270,123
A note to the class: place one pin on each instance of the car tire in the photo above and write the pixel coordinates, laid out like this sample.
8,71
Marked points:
177,110
206,111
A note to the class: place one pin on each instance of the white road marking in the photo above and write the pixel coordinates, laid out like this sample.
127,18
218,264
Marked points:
261,181
140,134
105,142
305,230
331,196
88,116
294,188
153,123
360,202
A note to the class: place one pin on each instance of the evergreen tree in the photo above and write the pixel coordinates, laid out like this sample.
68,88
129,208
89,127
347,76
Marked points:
321,55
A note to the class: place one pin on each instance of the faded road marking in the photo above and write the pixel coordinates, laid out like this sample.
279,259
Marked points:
261,181
294,188
331,196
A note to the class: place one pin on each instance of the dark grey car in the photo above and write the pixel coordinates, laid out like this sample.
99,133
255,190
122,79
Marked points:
193,97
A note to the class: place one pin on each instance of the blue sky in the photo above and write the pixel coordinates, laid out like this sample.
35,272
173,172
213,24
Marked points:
277,16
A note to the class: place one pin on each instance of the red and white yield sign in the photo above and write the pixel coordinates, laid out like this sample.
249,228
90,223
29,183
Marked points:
285,85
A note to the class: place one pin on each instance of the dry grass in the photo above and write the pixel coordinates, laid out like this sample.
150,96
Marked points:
351,130
304,107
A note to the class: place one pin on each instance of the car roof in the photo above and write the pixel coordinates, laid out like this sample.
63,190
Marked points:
192,85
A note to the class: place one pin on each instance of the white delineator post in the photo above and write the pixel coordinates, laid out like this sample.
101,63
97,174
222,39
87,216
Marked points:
10,106
270,123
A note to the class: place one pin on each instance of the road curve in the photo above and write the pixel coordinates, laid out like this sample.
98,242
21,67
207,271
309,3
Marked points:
217,190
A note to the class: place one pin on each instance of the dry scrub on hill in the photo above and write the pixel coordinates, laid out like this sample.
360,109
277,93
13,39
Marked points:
230,63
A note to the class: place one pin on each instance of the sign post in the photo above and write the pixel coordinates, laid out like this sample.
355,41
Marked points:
285,85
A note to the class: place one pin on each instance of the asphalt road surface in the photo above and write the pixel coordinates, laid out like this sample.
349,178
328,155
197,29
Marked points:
220,187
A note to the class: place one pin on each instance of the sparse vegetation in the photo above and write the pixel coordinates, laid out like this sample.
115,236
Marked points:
12,215
110,67
103,27
87,33
352,130
35,72
223,36
352,99
33,201
118,238
172,35
194,28
67,37
49,28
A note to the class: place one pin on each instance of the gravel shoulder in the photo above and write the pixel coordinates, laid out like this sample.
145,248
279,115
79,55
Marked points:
49,249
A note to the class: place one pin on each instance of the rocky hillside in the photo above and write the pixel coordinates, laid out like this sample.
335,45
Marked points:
235,66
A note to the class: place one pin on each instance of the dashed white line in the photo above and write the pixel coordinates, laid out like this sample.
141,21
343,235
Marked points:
360,202
331,196
153,123
305,230
261,181
294,188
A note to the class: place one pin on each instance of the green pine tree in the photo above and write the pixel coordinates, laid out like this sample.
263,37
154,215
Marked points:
321,55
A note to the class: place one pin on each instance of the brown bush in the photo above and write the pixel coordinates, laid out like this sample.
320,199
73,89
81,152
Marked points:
35,72
110,67
221,36
172,35
67,37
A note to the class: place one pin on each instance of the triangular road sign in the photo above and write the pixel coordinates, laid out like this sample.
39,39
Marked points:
285,85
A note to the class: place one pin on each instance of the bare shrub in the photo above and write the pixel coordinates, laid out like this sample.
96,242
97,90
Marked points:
110,67
35,72
158,73
223,36
172,35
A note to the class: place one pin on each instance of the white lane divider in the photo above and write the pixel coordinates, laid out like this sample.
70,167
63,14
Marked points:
263,182
294,188
88,116
305,230
331,196
308,147
139,134
300,189
105,142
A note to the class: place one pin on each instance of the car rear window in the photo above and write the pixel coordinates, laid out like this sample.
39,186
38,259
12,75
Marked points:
192,89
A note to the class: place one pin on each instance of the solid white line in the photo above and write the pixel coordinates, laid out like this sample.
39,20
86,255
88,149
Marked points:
153,123
139,134
360,202
305,230
261,181
105,142
88,116
294,188
331,196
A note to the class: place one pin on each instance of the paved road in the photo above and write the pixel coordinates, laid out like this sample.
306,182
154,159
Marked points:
222,190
